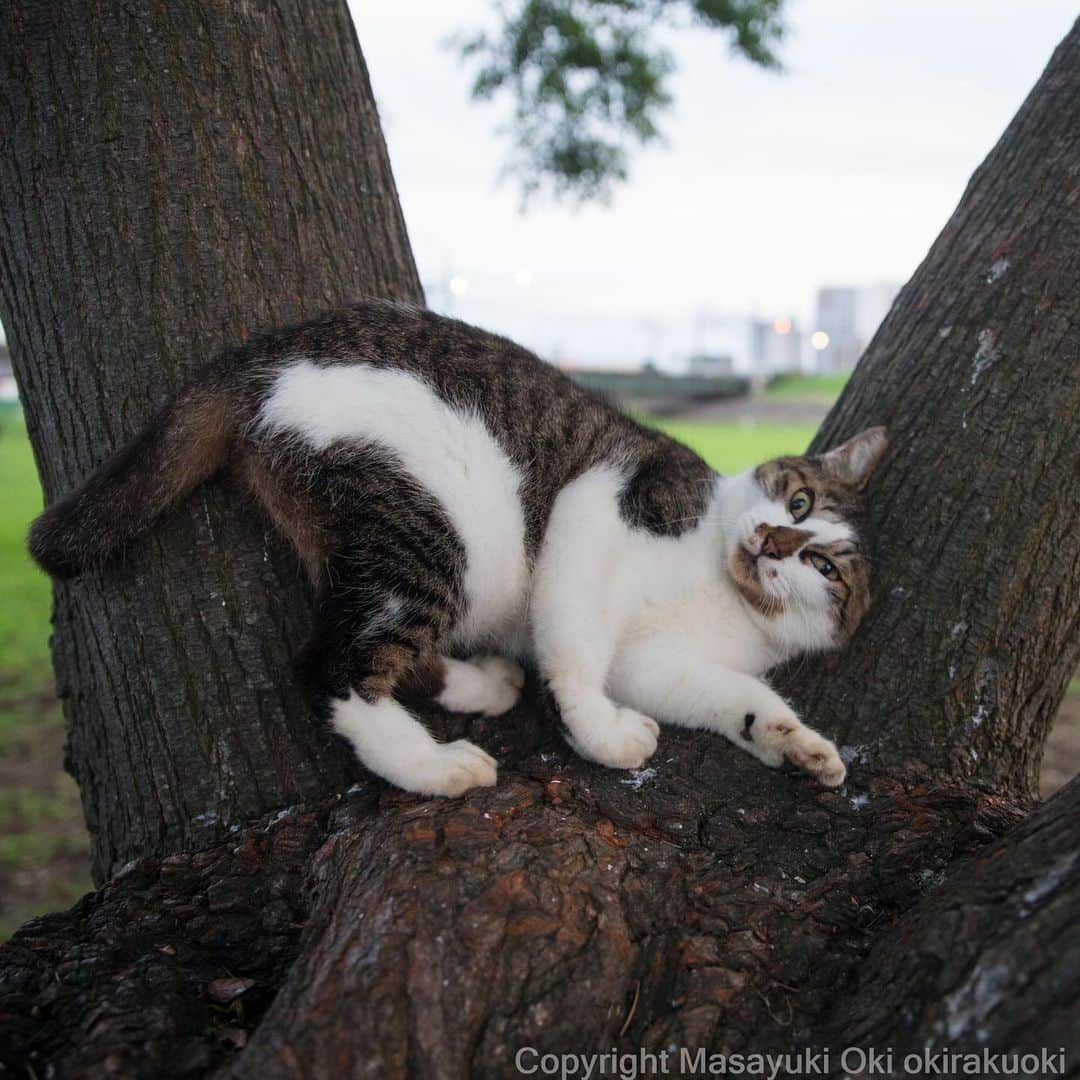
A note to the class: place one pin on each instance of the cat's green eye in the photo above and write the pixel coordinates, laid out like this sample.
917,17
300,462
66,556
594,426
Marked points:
802,502
824,567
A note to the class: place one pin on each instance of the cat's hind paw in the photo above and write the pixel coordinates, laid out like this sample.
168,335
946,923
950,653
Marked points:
506,671
489,685
450,769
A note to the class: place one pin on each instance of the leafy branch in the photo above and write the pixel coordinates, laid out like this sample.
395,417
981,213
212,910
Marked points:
589,81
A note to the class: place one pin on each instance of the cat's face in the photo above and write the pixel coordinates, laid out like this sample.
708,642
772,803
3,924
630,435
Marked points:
799,553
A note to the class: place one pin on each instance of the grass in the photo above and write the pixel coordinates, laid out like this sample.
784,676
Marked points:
43,845
823,389
730,448
24,614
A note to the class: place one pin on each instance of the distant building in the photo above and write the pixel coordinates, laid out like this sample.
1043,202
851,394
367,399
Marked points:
755,347
836,318
775,347
874,302
849,316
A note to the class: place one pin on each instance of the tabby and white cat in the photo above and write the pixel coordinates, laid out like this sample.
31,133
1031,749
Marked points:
458,502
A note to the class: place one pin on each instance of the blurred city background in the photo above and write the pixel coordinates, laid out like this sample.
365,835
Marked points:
724,292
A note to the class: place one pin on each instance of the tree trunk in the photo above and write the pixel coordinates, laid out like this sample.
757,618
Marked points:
973,636
709,903
173,177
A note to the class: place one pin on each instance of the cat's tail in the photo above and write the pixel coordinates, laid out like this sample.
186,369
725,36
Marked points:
185,444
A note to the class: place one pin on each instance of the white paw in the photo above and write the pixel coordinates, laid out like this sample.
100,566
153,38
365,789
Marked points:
614,736
786,738
489,685
449,769
502,669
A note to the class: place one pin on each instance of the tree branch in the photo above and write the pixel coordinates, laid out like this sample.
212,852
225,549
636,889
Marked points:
990,959
726,901
975,628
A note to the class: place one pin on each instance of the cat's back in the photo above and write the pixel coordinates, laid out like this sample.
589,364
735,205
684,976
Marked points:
394,369
397,356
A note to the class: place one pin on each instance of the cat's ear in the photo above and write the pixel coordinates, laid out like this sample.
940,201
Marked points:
853,462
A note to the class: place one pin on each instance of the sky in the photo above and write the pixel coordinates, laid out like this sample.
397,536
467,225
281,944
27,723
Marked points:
841,170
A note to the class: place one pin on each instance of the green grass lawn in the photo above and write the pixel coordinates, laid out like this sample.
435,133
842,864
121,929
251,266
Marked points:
24,613
730,448
43,845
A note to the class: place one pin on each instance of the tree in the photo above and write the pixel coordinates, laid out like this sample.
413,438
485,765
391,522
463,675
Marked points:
264,920
152,215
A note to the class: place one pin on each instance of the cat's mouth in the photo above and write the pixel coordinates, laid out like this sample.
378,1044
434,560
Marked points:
751,569
754,561
751,573
748,560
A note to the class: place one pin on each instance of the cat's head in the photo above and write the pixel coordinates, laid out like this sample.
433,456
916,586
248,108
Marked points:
799,553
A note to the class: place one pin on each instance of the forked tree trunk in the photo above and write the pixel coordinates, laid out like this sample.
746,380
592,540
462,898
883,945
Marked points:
975,629
173,177
706,903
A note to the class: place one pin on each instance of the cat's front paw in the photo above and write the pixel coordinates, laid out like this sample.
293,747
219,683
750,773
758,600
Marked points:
614,736
786,738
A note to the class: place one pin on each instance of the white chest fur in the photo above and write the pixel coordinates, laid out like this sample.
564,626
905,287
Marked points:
713,623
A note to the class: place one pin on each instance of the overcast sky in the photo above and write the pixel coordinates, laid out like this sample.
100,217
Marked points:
841,170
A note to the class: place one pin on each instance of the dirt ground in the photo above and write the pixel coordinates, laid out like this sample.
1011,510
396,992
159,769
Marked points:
733,410
44,847
1061,760
760,410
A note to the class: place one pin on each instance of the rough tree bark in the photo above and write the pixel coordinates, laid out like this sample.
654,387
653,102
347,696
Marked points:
976,370
705,902
173,177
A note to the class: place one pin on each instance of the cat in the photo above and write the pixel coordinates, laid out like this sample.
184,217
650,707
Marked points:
459,505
